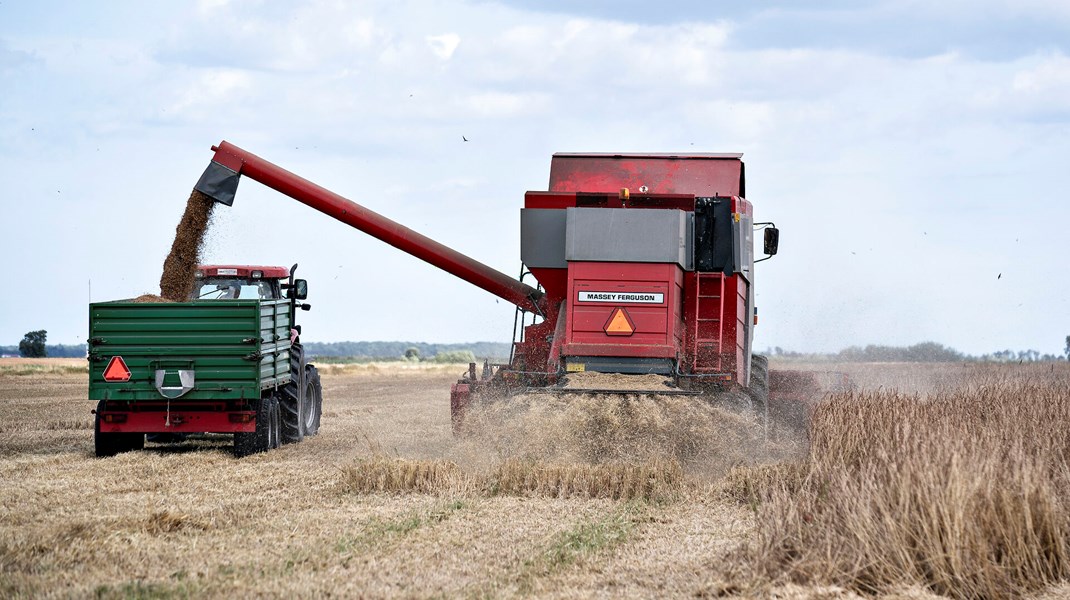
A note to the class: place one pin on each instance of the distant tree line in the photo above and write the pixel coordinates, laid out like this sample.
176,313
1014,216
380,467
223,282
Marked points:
412,351
923,352
499,352
51,350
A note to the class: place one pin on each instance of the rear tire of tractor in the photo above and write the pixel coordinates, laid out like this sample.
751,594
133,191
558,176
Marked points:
275,435
313,401
293,399
266,435
110,444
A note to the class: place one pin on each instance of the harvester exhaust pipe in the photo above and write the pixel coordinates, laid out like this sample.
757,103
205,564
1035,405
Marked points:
220,182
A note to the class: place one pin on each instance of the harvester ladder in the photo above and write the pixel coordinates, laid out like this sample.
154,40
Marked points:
708,327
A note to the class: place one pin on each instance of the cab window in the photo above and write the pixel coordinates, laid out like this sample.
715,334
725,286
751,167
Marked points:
233,289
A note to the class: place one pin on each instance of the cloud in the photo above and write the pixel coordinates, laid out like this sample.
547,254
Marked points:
208,7
851,144
443,45
12,59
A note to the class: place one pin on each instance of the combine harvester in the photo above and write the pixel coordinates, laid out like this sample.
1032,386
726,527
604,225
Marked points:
644,264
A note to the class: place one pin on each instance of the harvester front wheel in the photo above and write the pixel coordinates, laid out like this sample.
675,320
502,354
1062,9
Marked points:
294,399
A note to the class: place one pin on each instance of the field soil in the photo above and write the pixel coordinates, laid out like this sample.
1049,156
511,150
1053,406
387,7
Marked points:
190,520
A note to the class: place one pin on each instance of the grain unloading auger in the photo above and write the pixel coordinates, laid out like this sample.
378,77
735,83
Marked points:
644,263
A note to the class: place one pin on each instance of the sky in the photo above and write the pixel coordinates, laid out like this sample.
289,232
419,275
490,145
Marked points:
915,155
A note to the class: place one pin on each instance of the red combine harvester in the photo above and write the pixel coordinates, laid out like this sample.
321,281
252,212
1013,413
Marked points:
644,264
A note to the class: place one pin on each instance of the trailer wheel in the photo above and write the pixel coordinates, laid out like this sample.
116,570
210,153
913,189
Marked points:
110,444
293,399
313,405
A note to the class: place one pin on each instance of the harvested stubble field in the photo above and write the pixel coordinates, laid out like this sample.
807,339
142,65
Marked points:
923,482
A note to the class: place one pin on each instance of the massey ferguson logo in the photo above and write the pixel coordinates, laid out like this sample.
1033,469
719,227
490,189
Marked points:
623,297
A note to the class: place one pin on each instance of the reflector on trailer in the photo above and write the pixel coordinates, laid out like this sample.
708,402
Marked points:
116,371
619,323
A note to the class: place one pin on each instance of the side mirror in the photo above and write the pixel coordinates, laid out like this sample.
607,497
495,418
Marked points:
299,290
772,240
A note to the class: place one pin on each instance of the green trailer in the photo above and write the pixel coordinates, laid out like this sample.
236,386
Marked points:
228,366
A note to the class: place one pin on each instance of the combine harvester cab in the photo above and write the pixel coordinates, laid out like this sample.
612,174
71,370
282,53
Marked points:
643,263
227,361
647,261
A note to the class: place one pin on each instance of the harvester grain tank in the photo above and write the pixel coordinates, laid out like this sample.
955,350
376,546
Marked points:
643,263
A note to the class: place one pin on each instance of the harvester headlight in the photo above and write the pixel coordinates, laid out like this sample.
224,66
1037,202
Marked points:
257,274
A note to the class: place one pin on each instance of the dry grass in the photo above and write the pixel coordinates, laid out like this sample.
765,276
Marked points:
43,366
394,370
706,440
385,502
962,492
657,481
381,474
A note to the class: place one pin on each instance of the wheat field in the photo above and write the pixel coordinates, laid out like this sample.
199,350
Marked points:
923,483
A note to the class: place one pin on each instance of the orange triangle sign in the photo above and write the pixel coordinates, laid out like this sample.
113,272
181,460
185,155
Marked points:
116,371
619,323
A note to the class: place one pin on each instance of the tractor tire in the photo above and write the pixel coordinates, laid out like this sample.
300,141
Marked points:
758,390
270,436
267,431
110,444
293,399
314,401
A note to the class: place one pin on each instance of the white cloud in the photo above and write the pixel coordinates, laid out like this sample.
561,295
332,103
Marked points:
1050,79
498,105
846,150
206,7
444,45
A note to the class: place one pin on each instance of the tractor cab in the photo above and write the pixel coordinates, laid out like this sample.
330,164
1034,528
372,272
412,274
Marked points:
227,282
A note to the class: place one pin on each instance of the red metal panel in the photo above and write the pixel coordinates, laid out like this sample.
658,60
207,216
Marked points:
703,175
735,326
741,205
606,200
622,350
659,327
554,282
180,422
246,270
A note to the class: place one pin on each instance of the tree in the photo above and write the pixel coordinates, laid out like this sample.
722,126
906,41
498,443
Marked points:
33,344
412,354
455,356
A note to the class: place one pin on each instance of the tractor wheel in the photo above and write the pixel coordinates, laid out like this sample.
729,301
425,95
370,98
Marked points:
267,430
273,435
313,401
758,390
110,444
293,399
